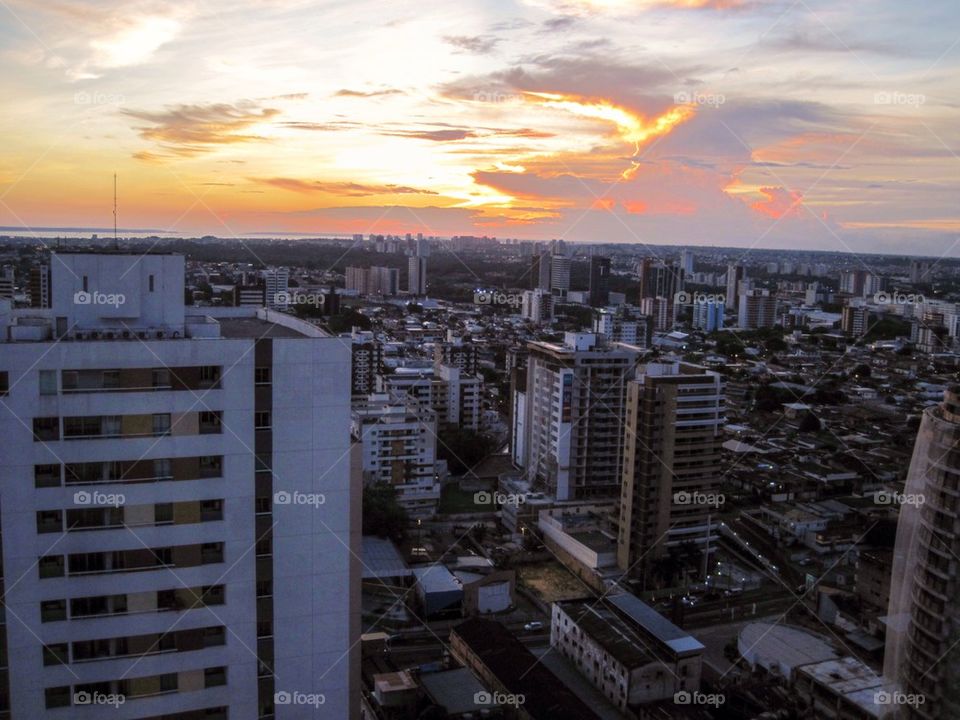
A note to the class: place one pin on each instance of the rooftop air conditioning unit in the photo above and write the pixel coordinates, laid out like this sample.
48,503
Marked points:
159,334
142,334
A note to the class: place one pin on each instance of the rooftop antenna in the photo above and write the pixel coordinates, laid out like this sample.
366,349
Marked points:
116,244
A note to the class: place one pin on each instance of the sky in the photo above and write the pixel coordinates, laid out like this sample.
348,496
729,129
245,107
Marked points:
809,124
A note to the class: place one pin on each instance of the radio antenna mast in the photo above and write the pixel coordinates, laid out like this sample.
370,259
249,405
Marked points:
116,244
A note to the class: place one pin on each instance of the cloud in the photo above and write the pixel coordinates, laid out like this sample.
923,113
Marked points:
778,202
477,44
346,92
348,189
188,130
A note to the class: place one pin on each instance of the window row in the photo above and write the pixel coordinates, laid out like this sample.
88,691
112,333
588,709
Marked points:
128,471
118,426
99,563
171,600
108,515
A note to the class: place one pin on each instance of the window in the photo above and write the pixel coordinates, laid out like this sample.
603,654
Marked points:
261,376
211,466
56,654
81,426
163,513
49,521
86,284
46,476
5,383
53,610
209,375
211,510
210,423
162,468
48,382
151,283
212,677
211,553
57,697
161,378
50,566
46,428
161,424
261,420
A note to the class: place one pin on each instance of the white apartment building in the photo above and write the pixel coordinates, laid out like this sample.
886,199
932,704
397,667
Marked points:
452,394
537,306
277,281
574,406
399,447
166,469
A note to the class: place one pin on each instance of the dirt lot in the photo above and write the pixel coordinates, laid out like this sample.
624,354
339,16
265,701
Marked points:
550,581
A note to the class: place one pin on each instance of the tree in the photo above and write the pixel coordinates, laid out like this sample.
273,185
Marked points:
862,370
382,514
463,449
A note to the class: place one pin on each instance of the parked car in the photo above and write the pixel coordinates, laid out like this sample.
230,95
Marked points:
535,625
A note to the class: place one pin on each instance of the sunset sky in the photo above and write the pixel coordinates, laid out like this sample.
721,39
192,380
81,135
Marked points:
809,124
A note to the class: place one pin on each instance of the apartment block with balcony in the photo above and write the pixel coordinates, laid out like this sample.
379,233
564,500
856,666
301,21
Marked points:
671,470
144,443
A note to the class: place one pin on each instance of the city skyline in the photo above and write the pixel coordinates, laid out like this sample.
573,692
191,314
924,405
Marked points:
583,120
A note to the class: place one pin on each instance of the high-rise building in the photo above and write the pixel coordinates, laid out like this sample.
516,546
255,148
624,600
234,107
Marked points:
923,620
417,278
624,326
736,274
367,362
457,352
671,466
599,281
686,261
164,474
277,281
40,286
855,320
574,407
559,275
757,309
708,315
920,271
537,306
7,282
399,442
540,271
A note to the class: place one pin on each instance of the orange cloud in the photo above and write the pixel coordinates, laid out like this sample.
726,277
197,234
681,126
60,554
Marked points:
778,202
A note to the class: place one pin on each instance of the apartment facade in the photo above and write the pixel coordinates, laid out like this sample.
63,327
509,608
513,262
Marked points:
921,657
399,447
671,469
161,473
573,424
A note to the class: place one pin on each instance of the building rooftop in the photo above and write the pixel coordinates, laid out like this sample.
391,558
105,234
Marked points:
381,559
655,624
245,327
521,672
454,690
